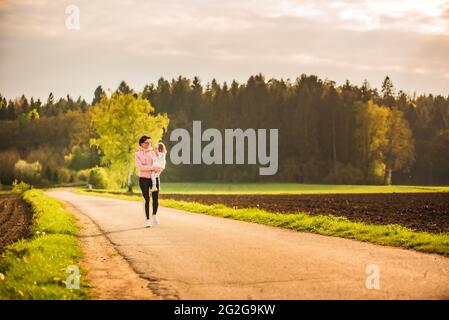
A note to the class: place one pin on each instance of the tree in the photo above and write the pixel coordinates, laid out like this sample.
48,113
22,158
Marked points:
27,117
50,99
399,149
124,88
388,92
148,92
329,119
78,159
8,158
119,122
28,172
22,105
3,108
370,136
328,133
366,91
99,92
50,108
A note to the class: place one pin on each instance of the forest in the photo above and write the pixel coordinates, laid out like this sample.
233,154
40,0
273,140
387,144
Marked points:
328,133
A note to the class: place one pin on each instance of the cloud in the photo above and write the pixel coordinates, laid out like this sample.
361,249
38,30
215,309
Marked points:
139,41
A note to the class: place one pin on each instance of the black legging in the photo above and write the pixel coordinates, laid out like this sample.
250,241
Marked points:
145,185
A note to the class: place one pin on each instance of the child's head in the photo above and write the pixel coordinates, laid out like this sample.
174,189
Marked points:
160,148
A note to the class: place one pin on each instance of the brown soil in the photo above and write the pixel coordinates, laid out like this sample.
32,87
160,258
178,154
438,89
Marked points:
15,219
417,211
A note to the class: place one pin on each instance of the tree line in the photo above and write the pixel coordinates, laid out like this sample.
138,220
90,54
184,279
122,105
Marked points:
328,133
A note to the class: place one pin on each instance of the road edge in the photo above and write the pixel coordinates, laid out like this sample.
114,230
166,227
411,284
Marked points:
109,273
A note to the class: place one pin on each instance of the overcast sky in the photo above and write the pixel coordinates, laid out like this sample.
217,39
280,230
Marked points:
141,40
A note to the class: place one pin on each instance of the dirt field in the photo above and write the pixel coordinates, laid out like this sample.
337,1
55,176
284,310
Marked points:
15,219
417,211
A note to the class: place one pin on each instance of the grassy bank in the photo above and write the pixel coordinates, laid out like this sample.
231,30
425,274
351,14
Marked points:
390,235
283,188
35,267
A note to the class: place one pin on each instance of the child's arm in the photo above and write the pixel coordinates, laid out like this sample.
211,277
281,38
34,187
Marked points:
160,164
163,161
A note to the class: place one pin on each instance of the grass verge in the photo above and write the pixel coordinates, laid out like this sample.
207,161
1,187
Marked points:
283,188
36,267
388,235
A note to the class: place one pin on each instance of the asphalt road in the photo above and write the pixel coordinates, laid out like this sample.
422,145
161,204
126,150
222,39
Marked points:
196,256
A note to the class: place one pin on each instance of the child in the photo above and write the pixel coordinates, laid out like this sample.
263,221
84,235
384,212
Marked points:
158,163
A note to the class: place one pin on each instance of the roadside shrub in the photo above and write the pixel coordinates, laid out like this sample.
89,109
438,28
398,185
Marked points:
45,183
20,187
98,178
115,178
63,175
28,172
82,175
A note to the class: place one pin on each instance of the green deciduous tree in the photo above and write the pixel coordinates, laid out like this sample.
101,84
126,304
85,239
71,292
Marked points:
119,122
323,129
370,135
399,149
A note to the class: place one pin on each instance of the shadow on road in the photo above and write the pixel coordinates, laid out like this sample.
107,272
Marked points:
110,232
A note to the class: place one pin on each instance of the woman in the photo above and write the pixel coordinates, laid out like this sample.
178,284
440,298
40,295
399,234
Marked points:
144,162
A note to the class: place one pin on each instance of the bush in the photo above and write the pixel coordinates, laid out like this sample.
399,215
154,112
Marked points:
82,175
63,175
20,187
98,178
45,183
78,159
346,174
116,178
51,160
28,172
8,158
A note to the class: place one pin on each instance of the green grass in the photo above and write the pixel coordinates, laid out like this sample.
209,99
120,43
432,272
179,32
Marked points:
35,267
389,235
284,188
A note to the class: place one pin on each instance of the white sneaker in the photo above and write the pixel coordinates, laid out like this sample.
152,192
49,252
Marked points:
155,219
154,189
148,223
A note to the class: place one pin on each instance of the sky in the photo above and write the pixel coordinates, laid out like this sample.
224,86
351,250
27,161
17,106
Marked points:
140,41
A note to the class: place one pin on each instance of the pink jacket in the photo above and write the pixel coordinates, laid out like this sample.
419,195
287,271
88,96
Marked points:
144,162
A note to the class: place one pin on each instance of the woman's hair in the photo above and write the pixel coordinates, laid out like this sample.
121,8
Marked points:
143,139
161,148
